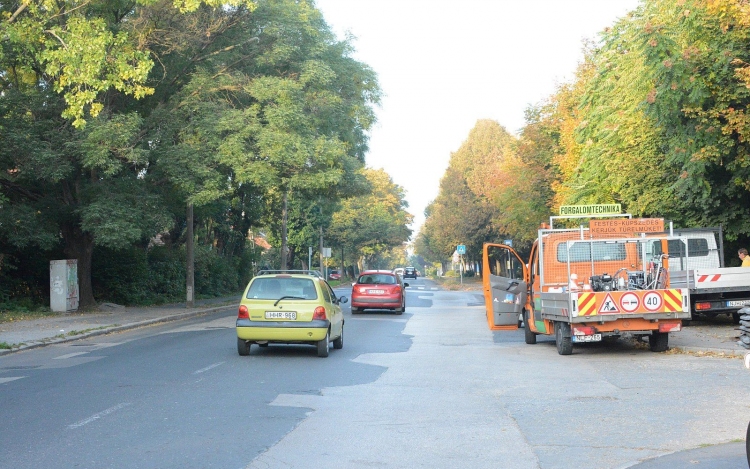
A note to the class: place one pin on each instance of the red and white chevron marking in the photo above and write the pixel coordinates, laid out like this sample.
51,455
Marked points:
709,278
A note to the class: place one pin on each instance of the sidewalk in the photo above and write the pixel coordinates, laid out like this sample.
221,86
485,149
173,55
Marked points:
717,337
23,335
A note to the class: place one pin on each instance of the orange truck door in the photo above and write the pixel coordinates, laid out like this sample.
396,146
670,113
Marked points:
505,279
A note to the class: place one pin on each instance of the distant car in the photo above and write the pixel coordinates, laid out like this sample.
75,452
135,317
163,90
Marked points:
377,289
334,275
399,271
290,309
410,272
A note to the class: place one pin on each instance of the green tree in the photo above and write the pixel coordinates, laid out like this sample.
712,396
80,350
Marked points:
372,224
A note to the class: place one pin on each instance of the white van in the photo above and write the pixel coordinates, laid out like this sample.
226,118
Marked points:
701,251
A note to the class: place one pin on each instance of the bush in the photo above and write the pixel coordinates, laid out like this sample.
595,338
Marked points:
217,275
136,276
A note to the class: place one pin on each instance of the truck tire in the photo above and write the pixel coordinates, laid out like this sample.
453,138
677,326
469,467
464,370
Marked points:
658,341
528,334
562,338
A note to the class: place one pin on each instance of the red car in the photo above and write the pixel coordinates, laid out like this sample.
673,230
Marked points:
376,289
334,275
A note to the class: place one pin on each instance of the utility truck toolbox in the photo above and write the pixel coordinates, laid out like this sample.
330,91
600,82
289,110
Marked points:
582,286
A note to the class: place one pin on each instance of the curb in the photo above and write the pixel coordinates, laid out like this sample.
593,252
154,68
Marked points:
110,330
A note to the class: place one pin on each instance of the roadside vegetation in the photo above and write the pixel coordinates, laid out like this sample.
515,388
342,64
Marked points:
115,116
655,119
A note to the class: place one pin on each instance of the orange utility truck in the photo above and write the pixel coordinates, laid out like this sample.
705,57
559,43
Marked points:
585,284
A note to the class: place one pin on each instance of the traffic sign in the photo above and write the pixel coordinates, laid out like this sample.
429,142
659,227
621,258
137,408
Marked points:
652,301
461,249
629,302
608,306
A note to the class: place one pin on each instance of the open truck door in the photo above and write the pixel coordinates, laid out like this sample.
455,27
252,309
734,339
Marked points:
505,283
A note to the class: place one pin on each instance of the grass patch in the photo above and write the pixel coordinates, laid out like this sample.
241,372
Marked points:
455,283
86,331
5,346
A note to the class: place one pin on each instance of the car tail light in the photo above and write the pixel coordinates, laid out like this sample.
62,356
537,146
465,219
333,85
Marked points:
702,306
319,313
583,330
670,326
243,313
396,290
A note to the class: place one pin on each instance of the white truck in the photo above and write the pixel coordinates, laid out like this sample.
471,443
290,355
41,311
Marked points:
699,266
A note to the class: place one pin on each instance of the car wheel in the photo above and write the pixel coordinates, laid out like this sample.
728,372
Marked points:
562,338
243,348
402,308
528,334
338,344
736,317
323,345
658,341
747,444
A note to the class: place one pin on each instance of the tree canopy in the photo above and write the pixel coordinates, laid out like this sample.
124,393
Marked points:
655,119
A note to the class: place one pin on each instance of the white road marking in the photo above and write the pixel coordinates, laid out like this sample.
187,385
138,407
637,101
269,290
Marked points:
208,368
12,378
99,415
70,355
379,319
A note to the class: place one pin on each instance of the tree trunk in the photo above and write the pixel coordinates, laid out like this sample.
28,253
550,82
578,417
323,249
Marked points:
80,246
284,247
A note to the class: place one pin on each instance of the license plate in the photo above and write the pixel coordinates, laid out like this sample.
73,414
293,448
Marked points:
376,292
738,303
587,338
288,315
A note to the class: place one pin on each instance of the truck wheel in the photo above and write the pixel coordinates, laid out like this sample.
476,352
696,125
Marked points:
528,334
563,339
658,341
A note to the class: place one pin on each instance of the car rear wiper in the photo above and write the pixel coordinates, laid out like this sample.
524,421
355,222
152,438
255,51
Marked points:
289,298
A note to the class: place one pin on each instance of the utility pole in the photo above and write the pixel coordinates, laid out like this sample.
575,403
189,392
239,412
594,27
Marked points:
189,303
321,248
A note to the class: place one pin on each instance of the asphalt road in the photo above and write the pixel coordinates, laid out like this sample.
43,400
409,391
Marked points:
429,388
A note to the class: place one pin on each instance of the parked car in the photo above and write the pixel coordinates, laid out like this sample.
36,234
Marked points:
290,309
375,289
334,275
410,272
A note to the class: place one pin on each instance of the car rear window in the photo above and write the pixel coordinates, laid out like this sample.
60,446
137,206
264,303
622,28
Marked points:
273,288
377,279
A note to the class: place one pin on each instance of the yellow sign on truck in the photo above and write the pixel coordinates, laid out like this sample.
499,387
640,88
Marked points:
595,209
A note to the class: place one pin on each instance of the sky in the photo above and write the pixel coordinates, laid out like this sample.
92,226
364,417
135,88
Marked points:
444,65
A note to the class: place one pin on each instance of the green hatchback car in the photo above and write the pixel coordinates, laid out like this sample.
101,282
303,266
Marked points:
290,308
